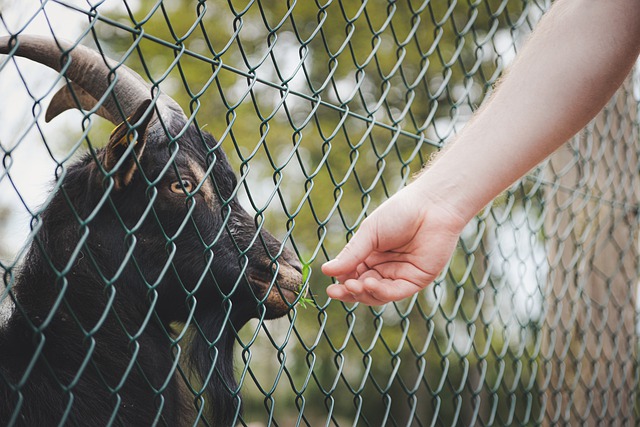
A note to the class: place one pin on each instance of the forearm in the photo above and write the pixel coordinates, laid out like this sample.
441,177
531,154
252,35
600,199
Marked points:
575,60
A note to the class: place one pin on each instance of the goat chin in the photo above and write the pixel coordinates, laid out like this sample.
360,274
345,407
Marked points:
280,298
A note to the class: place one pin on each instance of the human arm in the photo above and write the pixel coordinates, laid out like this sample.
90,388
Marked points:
577,57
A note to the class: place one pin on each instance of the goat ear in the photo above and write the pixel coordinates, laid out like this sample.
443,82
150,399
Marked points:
132,131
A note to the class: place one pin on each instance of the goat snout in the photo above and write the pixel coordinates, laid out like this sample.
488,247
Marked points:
277,283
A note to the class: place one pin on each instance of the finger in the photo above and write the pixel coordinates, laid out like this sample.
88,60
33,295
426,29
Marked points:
359,270
362,293
339,292
403,274
355,252
376,291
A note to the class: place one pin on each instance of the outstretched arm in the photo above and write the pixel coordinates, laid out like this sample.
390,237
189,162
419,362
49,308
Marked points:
576,58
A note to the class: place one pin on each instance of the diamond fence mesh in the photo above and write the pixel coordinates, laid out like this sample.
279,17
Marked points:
324,109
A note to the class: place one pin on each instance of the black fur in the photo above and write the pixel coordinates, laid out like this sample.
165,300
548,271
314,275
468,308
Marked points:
106,278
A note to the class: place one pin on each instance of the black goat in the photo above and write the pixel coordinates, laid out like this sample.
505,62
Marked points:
141,235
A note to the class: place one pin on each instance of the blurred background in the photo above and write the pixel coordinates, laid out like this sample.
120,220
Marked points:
326,108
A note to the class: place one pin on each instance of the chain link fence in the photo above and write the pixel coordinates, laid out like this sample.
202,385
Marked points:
324,109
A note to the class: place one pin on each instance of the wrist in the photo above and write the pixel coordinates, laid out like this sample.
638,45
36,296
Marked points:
443,201
469,173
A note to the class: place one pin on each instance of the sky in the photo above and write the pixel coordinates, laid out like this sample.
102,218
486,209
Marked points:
27,169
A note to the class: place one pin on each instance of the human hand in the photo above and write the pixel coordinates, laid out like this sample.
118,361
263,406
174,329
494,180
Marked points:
397,251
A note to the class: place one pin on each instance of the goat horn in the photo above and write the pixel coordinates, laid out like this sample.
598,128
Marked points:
89,72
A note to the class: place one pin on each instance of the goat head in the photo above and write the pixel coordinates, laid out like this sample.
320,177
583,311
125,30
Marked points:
163,190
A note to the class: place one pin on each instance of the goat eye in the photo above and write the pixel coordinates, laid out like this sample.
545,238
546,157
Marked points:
179,187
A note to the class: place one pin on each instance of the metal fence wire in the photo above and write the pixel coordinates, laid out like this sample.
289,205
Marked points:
324,109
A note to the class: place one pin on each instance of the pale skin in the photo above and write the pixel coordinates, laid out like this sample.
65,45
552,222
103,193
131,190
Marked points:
577,57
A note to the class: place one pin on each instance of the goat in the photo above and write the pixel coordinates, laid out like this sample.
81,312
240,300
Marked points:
140,235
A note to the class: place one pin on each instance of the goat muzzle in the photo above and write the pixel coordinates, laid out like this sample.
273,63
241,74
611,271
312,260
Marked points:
277,293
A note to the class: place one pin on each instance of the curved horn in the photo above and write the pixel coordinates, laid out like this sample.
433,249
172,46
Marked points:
89,72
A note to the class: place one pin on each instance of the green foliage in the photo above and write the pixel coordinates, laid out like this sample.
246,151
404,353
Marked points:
303,299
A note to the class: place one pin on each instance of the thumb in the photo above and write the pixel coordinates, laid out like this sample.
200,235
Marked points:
355,252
